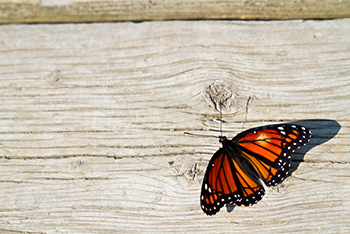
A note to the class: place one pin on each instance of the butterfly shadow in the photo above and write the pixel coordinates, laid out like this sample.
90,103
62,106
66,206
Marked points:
322,130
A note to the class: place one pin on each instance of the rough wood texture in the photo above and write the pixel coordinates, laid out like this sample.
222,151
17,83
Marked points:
92,122
53,11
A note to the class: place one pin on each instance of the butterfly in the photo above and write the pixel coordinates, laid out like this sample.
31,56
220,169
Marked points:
235,171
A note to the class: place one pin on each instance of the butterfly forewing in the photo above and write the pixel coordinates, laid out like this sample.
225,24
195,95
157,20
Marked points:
233,172
269,149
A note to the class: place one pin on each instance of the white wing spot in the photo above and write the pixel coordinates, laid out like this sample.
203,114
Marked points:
281,128
283,133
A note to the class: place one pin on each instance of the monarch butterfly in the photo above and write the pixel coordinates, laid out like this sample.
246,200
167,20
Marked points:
235,171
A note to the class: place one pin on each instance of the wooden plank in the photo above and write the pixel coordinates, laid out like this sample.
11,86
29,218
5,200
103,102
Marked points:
53,11
92,123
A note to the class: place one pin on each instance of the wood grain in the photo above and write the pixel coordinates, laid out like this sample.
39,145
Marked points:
92,123
57,11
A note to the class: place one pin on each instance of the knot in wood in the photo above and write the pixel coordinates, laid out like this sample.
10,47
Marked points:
220,95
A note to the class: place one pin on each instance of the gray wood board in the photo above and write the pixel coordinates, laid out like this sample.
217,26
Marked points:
92,123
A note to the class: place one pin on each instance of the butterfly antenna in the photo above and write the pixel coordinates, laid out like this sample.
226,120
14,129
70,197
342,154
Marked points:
200,135
246,112
220,122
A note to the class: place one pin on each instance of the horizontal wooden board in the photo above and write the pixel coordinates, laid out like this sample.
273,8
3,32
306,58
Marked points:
57,11
93,120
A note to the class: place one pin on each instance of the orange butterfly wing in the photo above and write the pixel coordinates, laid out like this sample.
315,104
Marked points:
233,172
227,182
269,149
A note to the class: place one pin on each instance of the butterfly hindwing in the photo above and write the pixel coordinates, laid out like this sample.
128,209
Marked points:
226,182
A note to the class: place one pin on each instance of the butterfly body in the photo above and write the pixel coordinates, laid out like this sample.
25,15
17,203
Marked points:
236,171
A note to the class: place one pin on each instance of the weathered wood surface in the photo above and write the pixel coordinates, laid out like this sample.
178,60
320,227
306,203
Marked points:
53,11
92,123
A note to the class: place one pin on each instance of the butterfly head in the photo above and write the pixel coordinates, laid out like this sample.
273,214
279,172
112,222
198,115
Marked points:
222,139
